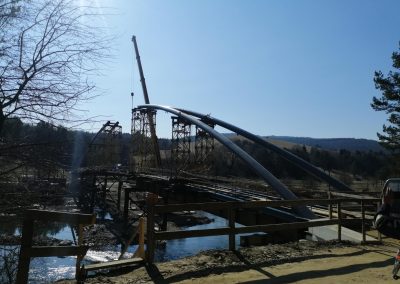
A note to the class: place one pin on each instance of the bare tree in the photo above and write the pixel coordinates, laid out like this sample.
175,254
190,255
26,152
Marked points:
48,53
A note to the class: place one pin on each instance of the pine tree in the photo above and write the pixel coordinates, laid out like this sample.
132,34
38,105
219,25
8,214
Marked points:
389,102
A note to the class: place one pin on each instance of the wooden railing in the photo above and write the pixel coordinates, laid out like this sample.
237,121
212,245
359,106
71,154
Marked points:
27,250
364,201
232,207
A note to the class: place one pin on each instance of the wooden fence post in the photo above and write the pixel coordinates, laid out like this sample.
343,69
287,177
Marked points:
104,193
339,212
120,182
363,221
24,257
140,250
27,250
126,204
330,205
232,217
93,190
150,229
79,257
378,205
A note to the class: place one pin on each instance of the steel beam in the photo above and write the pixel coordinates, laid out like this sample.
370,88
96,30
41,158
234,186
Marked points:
279,187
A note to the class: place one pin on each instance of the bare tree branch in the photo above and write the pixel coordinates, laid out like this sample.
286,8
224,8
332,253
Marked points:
47,60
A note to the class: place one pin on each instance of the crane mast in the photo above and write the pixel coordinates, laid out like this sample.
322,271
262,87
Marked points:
154,139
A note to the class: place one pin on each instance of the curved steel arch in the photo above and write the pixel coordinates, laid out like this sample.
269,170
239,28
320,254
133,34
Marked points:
297,161
279,187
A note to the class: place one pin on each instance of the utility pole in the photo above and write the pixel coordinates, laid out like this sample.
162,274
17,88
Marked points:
154,139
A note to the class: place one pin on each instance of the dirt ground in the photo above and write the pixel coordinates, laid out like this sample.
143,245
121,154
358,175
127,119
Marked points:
302,262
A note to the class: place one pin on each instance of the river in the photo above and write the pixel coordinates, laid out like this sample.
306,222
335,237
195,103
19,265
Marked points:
49,269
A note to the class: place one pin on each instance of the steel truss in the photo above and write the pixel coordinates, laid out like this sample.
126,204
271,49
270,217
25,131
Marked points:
180,144
142,149
105,148
203,145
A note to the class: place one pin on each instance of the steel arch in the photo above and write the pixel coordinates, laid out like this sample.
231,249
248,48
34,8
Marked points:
297,161
279,187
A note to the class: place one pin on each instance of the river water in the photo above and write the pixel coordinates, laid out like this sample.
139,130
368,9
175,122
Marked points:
49,269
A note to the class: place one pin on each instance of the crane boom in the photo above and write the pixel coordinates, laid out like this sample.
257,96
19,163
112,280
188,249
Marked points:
154,139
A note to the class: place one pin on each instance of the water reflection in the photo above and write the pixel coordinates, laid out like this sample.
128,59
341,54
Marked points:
179,248
10,224
49,269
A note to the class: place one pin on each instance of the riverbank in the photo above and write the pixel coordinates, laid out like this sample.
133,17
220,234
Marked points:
301,262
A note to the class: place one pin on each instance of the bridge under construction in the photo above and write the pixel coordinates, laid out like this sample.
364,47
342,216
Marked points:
180,174
159,181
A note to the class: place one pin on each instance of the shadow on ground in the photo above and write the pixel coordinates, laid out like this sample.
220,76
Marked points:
157,277
298,276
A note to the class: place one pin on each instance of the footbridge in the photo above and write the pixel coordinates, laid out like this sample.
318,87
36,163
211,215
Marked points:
177,179
174,178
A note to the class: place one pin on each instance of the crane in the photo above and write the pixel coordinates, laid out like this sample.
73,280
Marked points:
154,139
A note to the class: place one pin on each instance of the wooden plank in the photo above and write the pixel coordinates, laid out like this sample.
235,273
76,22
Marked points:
46,251
356,196
240,230
170,235
192,206
114,264
351,222
64,217
297,202
346,212
252,204
130,240
285,226
289,203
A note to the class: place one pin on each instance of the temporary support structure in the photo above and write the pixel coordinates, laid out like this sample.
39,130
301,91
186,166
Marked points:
180,143
203,144
104,149
143,155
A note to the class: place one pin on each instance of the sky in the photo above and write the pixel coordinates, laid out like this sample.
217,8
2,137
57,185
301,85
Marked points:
293,68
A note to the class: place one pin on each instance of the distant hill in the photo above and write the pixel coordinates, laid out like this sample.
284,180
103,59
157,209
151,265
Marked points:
350,144
333,144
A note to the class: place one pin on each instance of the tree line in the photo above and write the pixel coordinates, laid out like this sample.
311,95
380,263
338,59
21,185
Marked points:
343,163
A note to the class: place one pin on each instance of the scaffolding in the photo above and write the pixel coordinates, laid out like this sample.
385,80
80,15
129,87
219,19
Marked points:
105,148
203,145
142,156
180,144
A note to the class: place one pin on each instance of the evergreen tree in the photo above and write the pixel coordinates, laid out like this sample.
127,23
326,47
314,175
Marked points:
389,102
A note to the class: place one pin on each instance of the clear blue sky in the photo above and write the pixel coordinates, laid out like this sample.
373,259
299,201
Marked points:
296,68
